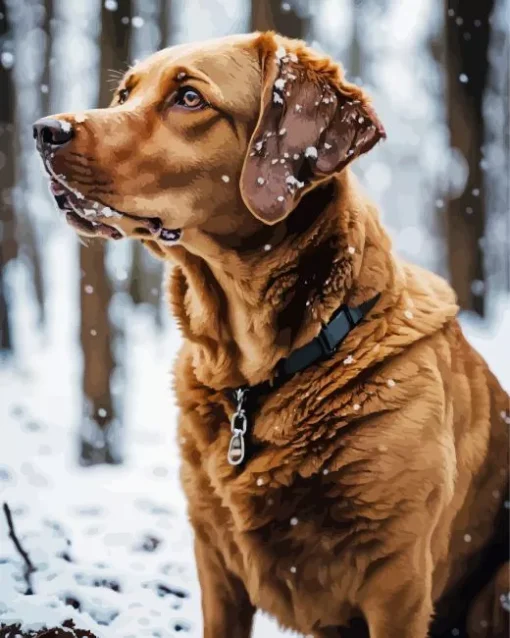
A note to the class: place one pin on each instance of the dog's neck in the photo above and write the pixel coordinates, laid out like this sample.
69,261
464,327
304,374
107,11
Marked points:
242,311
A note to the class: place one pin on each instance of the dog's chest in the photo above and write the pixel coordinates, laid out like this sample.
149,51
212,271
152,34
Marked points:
287,545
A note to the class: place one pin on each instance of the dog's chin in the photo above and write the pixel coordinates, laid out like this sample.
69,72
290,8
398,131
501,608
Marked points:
91,218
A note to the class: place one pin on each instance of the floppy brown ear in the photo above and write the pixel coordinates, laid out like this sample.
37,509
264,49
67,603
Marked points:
312,123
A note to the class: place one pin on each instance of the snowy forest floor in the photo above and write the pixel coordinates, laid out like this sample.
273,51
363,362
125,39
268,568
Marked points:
111,545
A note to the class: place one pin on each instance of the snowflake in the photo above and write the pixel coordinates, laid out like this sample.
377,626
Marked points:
280,53
311,151
225,178
7,59
292,182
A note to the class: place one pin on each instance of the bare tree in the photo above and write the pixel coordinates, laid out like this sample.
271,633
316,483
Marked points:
280,16
30,245
8,244
165,22
96,332
45,80
467,39
146,272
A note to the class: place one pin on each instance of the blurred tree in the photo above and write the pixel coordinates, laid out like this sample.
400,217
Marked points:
165,23
146,272
8,244
30,246
280,16
45,80
98,364
467,40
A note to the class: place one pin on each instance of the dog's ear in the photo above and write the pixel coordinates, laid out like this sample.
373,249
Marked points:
312,123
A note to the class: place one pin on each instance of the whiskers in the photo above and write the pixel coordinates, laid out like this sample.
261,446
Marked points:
114,75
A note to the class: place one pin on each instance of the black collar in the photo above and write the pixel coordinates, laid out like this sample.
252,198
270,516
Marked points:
323,346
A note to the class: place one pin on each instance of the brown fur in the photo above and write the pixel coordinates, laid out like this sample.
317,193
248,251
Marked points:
376,481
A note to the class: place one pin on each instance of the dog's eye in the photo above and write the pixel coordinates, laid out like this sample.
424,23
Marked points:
123,96
190,98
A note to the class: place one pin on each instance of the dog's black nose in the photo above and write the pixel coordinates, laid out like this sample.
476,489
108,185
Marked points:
50,132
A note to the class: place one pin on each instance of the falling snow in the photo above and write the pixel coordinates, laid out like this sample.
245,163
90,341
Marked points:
311,151
7,59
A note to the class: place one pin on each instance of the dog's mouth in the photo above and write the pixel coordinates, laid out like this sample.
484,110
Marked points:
92,218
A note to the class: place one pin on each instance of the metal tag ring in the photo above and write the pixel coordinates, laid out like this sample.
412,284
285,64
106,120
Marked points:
239,422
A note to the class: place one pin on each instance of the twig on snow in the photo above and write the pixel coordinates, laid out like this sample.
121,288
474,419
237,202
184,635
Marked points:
29,567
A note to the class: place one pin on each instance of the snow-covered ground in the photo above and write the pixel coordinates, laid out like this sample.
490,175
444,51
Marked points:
128,570
131,570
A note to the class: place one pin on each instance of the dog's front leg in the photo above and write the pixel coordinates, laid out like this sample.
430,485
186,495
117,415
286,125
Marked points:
226,608
397,600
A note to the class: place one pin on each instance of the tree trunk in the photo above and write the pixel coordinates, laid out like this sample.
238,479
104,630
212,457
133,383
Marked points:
8,244
467,40
277,15
45,80
165,23
146,272
97,434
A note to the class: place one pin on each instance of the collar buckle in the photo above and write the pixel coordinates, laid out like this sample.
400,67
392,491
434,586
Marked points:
326,342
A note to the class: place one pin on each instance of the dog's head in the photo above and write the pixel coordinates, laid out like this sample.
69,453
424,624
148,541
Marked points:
206,136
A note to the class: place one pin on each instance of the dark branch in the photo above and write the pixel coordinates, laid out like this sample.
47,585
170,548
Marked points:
29,567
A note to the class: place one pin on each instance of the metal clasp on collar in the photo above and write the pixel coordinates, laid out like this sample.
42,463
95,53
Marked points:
238,426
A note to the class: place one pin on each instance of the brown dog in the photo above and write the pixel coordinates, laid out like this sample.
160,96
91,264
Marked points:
371,498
